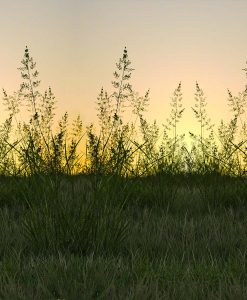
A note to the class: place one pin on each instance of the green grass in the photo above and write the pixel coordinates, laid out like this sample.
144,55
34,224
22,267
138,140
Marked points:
124,211
92,237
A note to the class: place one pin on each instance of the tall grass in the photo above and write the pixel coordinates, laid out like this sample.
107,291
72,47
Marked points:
133,148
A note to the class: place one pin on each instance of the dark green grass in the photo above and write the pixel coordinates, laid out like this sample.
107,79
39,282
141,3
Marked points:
88,237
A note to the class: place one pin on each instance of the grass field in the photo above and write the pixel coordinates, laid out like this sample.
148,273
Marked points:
122,210
91,237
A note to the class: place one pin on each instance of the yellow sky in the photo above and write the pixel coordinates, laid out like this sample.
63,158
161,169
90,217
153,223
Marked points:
76,44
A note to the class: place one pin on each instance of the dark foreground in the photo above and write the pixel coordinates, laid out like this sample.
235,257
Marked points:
88,238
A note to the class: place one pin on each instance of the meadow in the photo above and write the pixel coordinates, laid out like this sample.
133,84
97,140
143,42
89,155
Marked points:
121,210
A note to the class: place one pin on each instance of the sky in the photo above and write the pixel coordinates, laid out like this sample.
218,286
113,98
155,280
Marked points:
77,43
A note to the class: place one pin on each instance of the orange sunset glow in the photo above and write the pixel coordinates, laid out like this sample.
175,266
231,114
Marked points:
76,45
